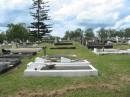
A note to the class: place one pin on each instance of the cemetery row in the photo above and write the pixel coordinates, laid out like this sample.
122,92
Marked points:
57,65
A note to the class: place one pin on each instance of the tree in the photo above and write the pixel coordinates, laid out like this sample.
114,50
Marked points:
111,33
89,34
78,32
17,32
40,16
67,35
75,35
78,35
127,33
102,34
2,37
120,33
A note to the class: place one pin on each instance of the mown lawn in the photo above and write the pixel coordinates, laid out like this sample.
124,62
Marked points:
113,79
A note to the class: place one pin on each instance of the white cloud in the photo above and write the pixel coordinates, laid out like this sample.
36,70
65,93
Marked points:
14,4
11,10
3,29
98,17
93,8
123,23
89,12
70,14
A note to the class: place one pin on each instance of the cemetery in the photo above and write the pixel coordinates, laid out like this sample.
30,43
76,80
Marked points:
60,67
82,52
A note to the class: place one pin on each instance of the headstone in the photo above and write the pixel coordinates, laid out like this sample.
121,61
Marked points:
56,40
117,39
24,44
27,41
128,41
95,50
14,45
35,45
40,60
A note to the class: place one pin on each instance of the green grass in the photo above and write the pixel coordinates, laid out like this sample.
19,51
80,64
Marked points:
122,47
112,69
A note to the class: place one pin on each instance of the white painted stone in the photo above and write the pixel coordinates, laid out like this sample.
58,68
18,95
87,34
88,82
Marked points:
63,73
39,60
128,41
65,60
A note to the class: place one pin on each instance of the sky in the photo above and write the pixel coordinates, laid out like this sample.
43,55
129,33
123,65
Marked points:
70,14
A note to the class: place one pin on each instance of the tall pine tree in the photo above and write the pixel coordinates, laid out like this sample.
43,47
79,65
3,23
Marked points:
39,12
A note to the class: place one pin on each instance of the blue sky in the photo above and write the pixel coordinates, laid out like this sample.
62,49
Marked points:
71,14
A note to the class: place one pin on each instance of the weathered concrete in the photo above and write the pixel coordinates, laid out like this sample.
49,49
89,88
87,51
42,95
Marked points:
7,63
13,61
3,66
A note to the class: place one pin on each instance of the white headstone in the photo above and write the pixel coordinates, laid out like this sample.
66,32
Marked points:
95,50
128,41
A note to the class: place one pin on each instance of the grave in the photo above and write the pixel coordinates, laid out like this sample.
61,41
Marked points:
8,63
7,53
98,45
4,66
12,60
63,45
60,66
24,50
110,51
17,55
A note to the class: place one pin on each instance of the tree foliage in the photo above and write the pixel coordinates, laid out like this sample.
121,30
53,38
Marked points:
102,34
2,37
17,32
88,33
74,35
39,13
127,33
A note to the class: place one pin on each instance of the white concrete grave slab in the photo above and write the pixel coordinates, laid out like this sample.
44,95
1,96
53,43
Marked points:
110,51
65,67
